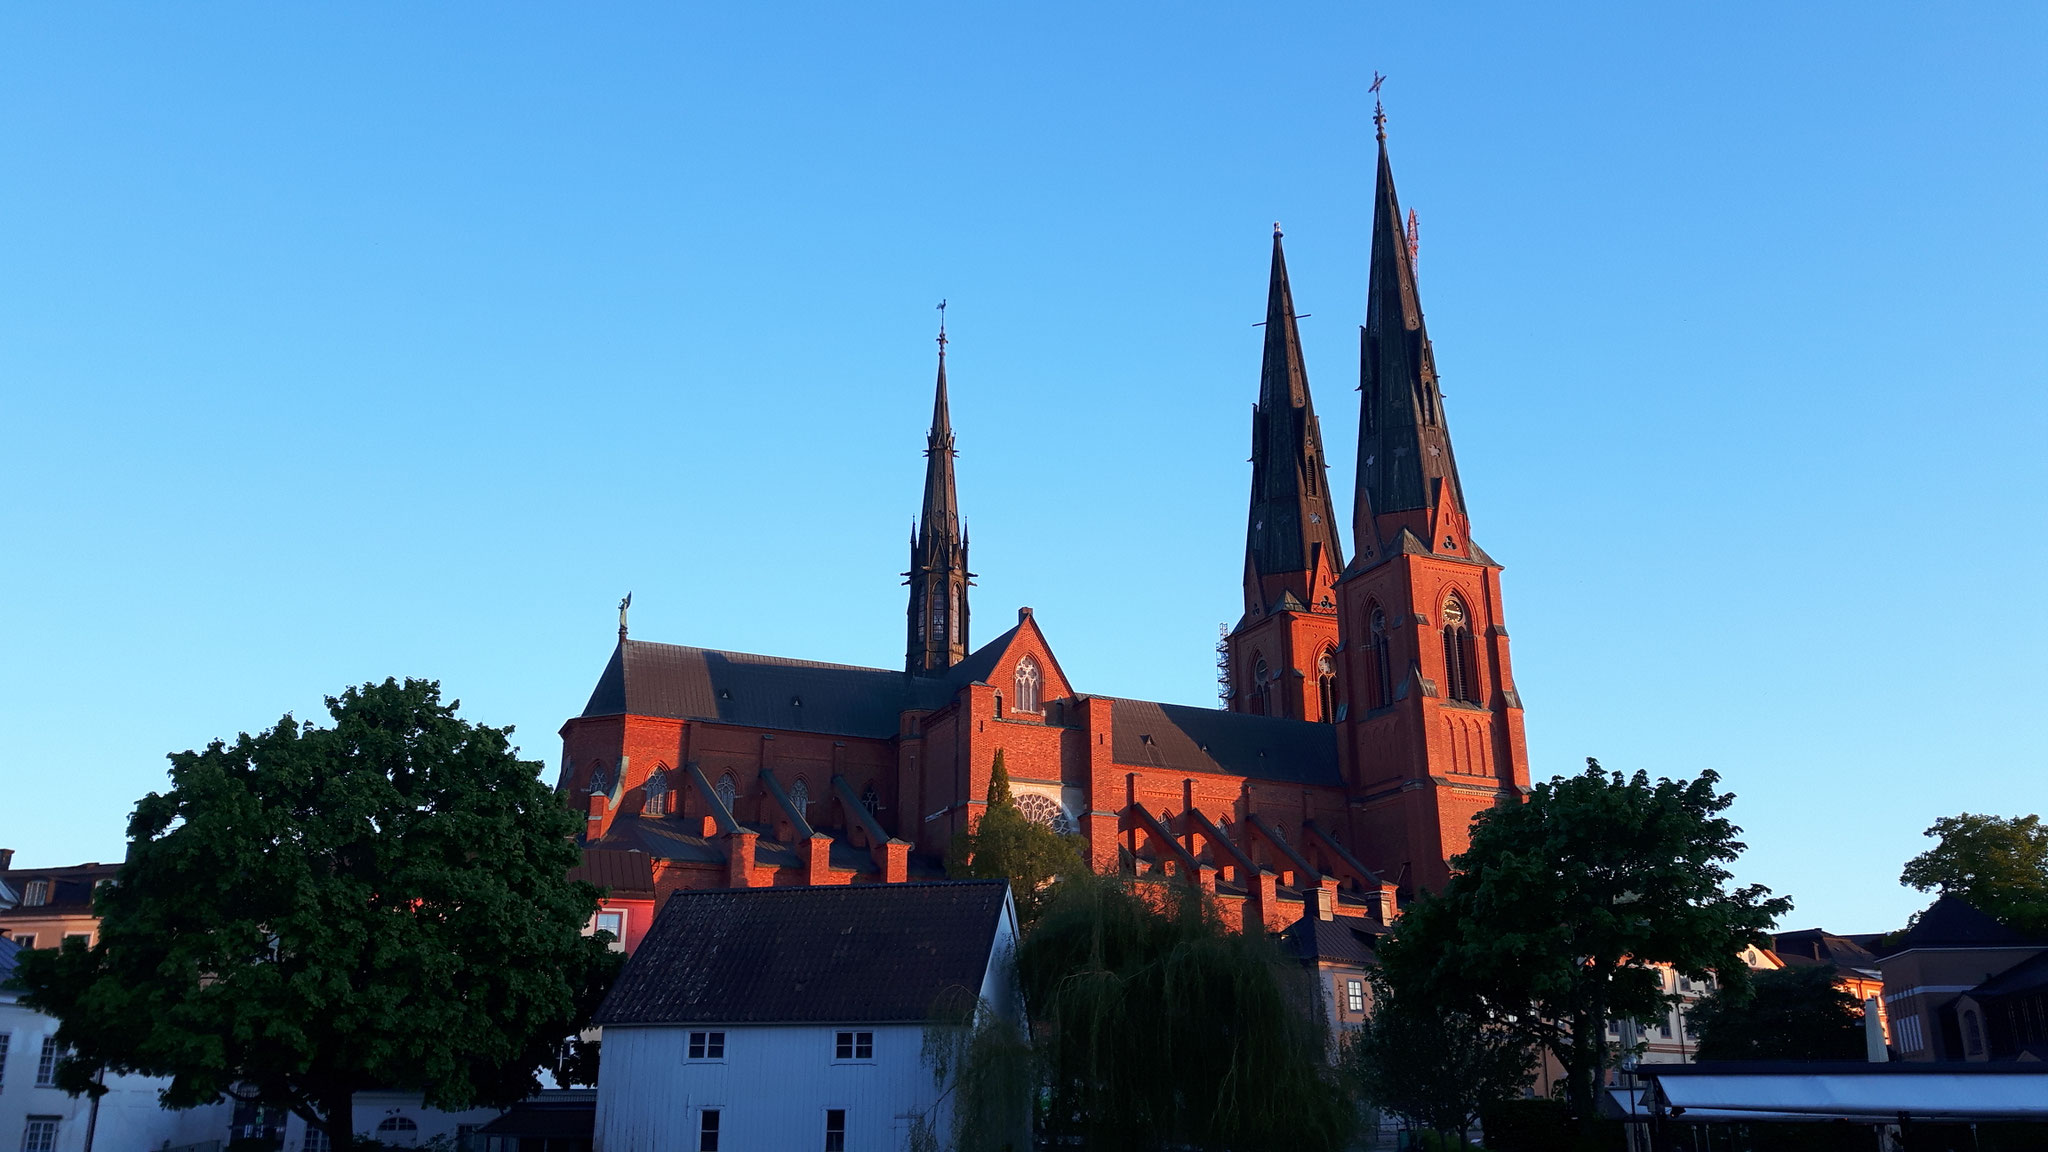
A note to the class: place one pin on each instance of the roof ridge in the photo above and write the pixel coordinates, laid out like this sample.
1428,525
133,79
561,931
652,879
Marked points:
796,660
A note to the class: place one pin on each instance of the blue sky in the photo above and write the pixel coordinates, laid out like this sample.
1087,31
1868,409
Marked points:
343,342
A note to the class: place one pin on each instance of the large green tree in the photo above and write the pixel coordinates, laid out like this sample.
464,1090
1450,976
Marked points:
1556,916
1160,1028
313,912
1008,845
1999,865
1790,1014
1435,1066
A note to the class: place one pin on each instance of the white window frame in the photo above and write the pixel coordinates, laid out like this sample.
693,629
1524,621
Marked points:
46,1063
852,1042
39,1133
705,1046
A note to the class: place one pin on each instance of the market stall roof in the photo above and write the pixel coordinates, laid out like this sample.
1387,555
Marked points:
1787,1090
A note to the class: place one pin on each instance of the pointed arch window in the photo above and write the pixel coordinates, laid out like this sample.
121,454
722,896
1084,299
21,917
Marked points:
1461,665
657,794
597,784
727,791
1326,685
800,797
871,800
1380,669
1261,687
1028,684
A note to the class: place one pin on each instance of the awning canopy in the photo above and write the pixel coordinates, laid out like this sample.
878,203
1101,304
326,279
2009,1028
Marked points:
1867,1092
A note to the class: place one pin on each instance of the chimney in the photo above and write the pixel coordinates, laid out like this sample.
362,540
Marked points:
6,859
1023,614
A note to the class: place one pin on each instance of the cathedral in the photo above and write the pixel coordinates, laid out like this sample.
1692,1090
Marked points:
1369,708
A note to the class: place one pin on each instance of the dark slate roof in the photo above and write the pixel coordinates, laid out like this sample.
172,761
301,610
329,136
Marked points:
1185,739
627,874
1811,946
2030,975
1953,922
560,1114
853,954
7,950
670,680
1342,940
70,888
671,838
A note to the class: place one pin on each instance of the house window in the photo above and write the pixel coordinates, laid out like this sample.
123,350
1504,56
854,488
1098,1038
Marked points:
707,1045
835,1130
24,939
614,923
1354,995
657,794
36,892
800,797
39,1134
1326,684
84,938
1461,664
316,1141
727,791
4,1038
398,1130
1664,1028
707,1131
1027,685
1973,1035
854,1046
46,1064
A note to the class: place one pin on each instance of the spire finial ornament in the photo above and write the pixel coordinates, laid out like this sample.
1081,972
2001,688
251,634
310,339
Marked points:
623,605
942,330
1379,111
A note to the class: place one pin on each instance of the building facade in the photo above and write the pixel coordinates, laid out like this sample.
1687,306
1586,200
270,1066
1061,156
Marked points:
1370,709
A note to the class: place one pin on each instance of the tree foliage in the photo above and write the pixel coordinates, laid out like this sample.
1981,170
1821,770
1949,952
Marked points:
1008,845
313,912
1790,1014
1554,917
1158,1027
1999,865
984,1065
1434,1066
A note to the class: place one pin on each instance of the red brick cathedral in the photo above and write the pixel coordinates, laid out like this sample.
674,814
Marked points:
1370,712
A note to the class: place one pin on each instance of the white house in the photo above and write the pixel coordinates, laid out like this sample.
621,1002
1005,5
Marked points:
793,1018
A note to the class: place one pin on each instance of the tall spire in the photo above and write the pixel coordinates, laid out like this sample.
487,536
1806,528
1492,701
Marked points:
1407,477
938,576
1291,535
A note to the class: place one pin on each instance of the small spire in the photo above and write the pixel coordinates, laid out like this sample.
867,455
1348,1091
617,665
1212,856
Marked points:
1379,110
942,332
623,605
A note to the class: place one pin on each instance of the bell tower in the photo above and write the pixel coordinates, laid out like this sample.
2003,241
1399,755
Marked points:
1282,654
1430,732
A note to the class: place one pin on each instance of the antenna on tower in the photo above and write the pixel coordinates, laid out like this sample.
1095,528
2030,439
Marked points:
1414,241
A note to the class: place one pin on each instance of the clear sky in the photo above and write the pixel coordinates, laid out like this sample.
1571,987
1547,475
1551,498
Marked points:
345,341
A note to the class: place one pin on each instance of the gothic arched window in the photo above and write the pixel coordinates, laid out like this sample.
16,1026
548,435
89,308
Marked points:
657,794
1461,666
1380,672
871,800
727,791
1027,685
1326,685
1045,810
800,797
597,784
1260,686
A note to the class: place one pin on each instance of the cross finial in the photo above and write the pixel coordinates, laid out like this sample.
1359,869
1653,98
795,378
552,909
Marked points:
623,605
1379,111
942,329
1276,229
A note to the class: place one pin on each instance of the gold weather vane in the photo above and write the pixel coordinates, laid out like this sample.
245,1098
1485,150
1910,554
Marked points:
1379,111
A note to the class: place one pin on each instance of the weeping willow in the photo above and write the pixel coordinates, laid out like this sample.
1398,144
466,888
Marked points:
983,1063
1157,1027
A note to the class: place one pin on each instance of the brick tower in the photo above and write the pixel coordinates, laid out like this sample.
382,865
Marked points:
1432,731
1283,652
938,576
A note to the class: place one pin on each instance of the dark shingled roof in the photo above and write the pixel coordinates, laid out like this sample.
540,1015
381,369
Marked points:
2029,975
557,1114
625,874
1953,922
1812,946
855,954
669,680
1184,739
1343,940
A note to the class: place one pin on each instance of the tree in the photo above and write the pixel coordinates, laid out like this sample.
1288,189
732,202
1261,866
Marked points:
1556,914
314,912
1790,1014
1433,1066
1999,865
1008,845
1159,1027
